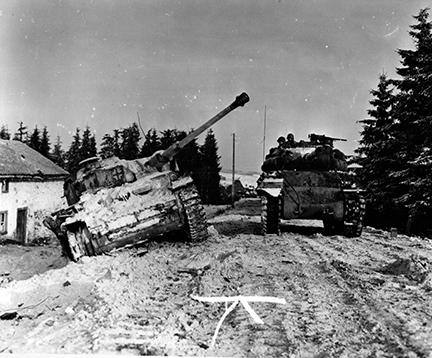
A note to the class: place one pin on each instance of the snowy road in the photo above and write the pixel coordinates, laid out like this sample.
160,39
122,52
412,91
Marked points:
339,302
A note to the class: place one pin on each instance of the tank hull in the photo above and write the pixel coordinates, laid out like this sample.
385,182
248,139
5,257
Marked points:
311,195
319,195
112,219
116,203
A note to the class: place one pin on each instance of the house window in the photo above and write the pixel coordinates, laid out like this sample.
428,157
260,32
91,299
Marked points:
5,186
3,222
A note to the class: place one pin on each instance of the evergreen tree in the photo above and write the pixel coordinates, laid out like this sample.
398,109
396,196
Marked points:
57,155
130,142
151,143
4,132
88,145
209,170
414,124
167,137
35,139
107,146
117,145
376,150
21,133
44,147
93,146
73,155
188,158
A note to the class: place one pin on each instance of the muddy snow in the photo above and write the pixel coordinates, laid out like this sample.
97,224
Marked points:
367,296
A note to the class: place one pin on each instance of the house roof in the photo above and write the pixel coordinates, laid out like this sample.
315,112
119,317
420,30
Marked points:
18,159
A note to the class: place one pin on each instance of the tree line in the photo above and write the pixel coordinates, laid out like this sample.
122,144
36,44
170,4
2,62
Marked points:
201,162
395,150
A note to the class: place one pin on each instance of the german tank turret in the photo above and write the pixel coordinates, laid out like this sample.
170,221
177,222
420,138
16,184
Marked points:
310,180
117,203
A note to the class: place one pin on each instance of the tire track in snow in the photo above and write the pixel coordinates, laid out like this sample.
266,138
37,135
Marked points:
374,317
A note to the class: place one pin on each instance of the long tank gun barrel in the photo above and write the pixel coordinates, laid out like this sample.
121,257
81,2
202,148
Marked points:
175,148
171,151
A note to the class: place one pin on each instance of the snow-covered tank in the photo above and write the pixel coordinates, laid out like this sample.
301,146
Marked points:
310,180
117,203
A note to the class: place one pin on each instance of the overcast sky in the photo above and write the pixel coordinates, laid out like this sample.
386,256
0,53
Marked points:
68,64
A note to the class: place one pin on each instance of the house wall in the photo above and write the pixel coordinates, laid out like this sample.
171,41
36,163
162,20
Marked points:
40,199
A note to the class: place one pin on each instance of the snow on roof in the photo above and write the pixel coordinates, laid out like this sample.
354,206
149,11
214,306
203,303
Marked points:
17,158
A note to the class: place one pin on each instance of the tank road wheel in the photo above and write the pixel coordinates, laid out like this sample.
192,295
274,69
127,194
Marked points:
76,249
80,241
354,210
196,221
270,221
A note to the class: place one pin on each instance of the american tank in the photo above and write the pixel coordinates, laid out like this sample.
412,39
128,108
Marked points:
310,180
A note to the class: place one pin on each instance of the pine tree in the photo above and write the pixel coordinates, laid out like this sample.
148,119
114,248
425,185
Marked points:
130,142
188,158
151,143
21,133
117,145
4,132
93,146
58,154
209,170
35,139
107,146
414,123
88,145
167,137
73,155
44,147
376,150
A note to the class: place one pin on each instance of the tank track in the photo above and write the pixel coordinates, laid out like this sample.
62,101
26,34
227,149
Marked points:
270,218
354,210
196,222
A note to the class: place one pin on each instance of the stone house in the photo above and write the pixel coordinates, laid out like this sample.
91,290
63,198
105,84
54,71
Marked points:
31,187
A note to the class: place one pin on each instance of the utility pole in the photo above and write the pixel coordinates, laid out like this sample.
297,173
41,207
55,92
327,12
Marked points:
265,123
233,172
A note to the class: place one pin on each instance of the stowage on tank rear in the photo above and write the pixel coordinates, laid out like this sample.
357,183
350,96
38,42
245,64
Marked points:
313,182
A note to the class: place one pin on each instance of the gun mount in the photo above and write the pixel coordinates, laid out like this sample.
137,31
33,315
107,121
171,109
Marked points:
116,203
322,139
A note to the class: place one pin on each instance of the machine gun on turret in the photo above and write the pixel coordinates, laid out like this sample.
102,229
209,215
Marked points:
322,139
310,180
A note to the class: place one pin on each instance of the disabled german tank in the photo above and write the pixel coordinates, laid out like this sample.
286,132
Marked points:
115,203
310,180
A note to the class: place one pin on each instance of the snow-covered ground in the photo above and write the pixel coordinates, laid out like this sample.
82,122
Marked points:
345,297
